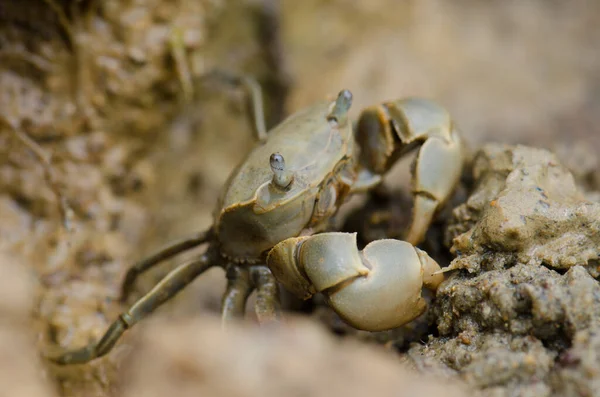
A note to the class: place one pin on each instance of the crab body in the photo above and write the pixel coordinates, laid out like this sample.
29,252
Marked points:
254,214
271,221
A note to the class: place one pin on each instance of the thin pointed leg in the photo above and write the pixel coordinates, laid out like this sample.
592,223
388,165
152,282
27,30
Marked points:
239,288
255,97
173,283
268,304
256,102
166,253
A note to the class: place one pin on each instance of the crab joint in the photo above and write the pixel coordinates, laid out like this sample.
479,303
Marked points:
282,177
340,109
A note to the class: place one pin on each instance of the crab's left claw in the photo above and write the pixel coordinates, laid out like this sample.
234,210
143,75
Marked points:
375,289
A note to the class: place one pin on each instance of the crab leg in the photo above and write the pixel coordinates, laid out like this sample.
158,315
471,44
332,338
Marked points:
239,288
164,254
255,98
167,288
268,306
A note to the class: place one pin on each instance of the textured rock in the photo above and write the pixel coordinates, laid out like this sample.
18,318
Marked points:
525,205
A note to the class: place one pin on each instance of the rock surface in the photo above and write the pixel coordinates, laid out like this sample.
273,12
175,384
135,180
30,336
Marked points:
21,371
519,312
525,205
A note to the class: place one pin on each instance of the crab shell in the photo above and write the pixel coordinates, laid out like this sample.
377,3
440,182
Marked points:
254,214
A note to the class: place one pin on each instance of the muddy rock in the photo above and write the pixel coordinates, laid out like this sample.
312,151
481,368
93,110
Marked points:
527,207
192,358
500,364
522,300
578,369
20,367
519,311
491,362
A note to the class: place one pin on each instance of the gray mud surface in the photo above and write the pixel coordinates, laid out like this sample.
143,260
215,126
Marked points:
111,146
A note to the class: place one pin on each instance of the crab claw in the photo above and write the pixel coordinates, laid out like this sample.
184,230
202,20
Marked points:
386,132
436,173
375,289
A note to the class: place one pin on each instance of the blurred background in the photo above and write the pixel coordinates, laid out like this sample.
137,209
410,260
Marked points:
102,109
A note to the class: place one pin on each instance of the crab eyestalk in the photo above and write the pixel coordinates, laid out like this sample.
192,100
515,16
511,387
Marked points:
376,289
339,112
282,177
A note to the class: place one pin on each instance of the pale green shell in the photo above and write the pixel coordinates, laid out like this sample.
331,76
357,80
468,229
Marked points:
252,215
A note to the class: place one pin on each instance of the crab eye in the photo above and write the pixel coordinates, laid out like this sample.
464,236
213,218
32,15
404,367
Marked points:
282,177
341,107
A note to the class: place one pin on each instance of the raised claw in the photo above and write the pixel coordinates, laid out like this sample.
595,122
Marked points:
386,132
375,289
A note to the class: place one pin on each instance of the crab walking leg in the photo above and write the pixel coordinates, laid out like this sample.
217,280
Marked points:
436,172
375,289
239,288
174,282
268,304
256,102
255,97
164,254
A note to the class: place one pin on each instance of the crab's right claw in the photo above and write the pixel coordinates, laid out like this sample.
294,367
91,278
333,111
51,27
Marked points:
375,289
436,173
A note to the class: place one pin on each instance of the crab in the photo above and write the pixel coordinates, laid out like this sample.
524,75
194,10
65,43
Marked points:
272,221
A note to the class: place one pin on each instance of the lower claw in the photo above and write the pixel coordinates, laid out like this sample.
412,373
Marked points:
375,289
